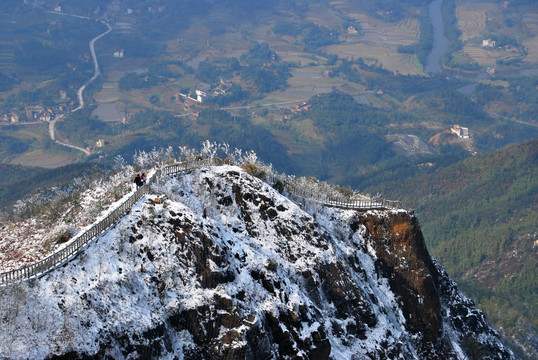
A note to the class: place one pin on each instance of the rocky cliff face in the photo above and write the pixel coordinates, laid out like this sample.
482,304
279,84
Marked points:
218,265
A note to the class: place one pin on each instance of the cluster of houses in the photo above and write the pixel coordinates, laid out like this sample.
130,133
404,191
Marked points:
384,13
11,117
492,44
33,113
118,54
204,91
288,113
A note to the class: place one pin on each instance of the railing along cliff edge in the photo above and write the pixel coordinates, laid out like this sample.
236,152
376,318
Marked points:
345,203
82,239
76,244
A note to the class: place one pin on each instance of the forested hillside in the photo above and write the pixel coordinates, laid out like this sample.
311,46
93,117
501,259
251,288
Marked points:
479,218
20,181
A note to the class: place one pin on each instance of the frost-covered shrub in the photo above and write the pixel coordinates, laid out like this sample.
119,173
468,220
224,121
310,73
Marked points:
28,207
312,188
254,170
209,149
187,153
49,205
58,236
156,158
95,208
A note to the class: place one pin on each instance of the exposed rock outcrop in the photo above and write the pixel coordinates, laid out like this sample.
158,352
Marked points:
224,267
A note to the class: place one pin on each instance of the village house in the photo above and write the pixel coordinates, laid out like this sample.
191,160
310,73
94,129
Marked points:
205,91
200,95
488,43
11,118
461,131
33,112
44,117
298,108
352,30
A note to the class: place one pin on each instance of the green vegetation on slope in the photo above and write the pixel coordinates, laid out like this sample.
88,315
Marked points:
479,219
21,181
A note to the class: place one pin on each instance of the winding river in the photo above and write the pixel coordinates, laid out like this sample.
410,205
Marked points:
440,42
440,47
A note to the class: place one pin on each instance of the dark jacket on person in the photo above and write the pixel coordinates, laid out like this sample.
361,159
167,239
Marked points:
138,181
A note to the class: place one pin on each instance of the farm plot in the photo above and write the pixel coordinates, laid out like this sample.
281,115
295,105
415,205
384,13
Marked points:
472,17
530,19
487,56
379,42
386,56
41,158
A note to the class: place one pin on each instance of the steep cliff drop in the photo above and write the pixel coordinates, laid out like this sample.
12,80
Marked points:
216,264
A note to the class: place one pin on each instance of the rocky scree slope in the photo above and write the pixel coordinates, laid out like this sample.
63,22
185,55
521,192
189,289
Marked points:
216,264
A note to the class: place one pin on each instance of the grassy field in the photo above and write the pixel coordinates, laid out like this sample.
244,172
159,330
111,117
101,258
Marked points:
35,135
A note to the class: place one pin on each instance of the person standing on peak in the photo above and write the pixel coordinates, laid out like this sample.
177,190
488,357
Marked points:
138,181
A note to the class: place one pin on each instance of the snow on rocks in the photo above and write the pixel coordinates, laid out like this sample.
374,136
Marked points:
221,265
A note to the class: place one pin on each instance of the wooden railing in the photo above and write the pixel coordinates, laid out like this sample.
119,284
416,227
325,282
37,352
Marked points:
81,240
342,201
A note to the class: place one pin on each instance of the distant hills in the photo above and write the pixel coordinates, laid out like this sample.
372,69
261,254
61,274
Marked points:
479,219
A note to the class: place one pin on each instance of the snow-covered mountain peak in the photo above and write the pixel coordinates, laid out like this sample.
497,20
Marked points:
214,263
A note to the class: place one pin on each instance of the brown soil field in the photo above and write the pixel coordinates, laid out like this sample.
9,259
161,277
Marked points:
379,41
530,19
377,32
325,15
43,159
377,44
486,56
386,56
532,47
472,17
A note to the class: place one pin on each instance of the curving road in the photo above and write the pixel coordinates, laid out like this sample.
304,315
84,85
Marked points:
53,137
97,72
80,91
